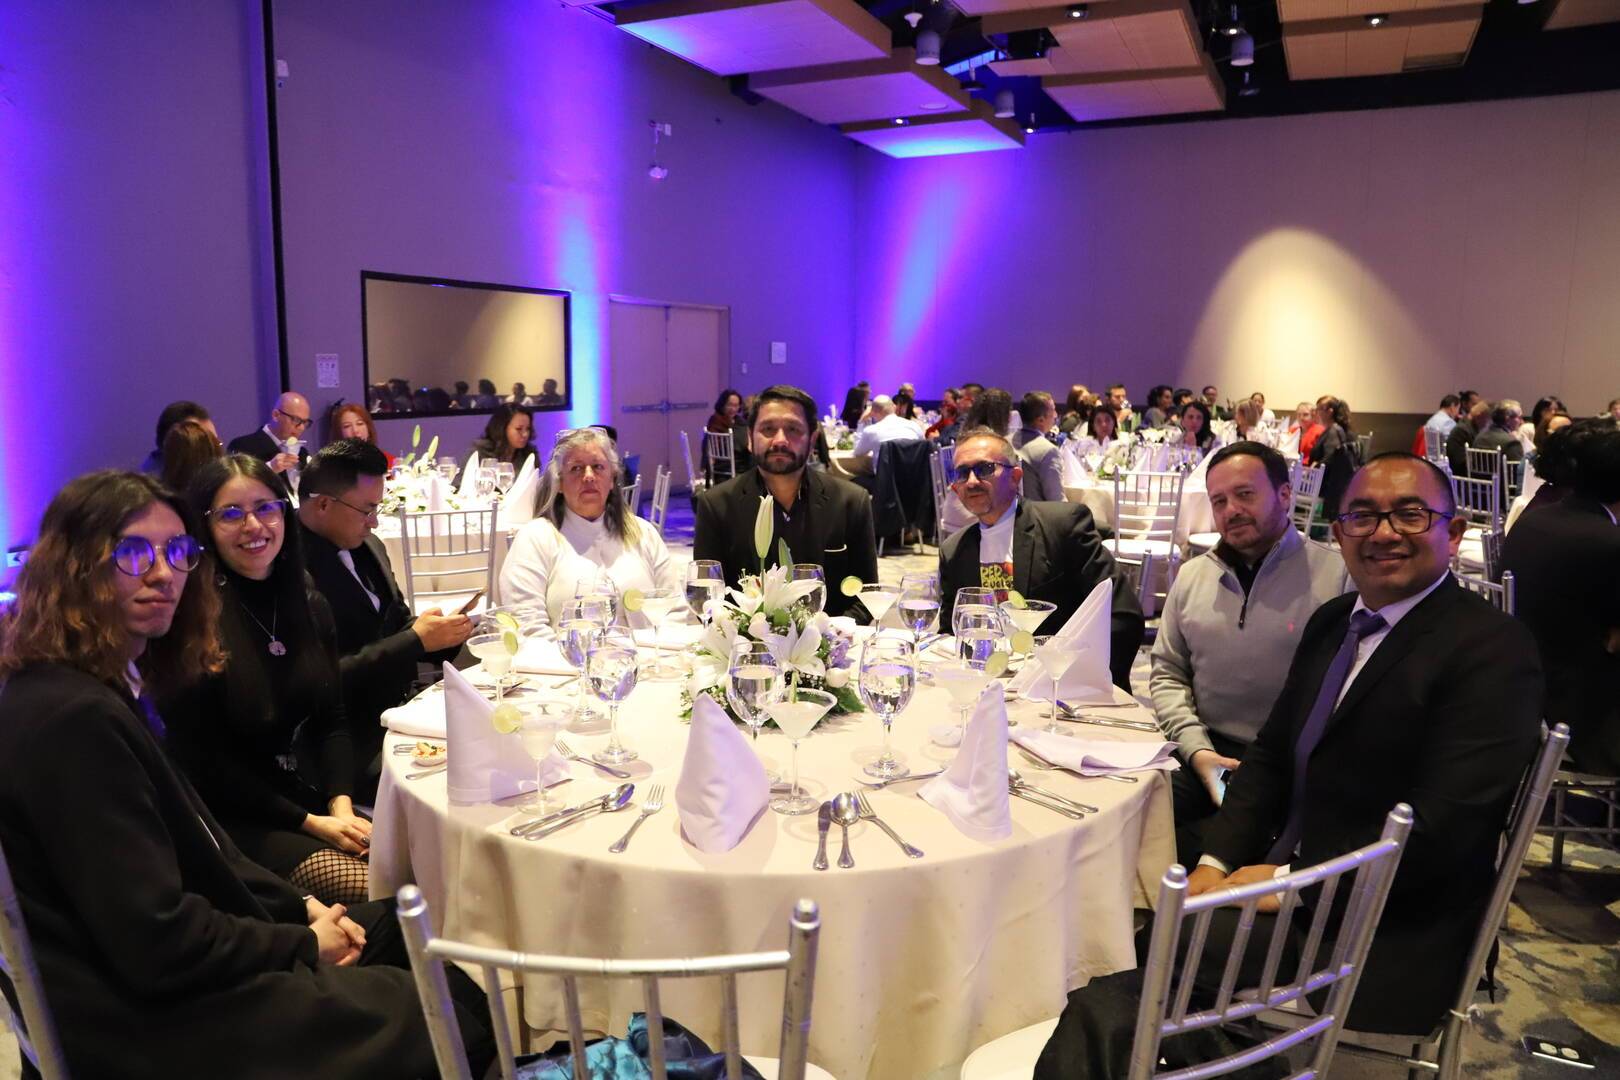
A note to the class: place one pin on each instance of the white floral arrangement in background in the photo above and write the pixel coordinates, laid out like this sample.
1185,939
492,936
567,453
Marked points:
407,488
1116,460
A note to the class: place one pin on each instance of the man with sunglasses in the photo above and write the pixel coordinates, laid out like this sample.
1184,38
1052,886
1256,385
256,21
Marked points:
288,420
1045,550
379,642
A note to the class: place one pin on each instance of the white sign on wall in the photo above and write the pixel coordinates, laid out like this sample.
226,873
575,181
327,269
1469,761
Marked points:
326,370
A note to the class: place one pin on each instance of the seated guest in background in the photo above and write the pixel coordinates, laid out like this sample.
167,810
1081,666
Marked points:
1038,455
1158,408
1304,422
1466,400
289,420
1545,405
1212,398
348,420
1248,428
548,396
1103,432
506,437
1335,450
162,950
1045,550
905,407
1230,626
728,416
265,739
1469,424
1122,408
992,408
186,448
1076,410
885,425
1502,435
1614,409
519,395
943,430
1565,559
1260,399
1434,698
175,412
1197,429
583,533
823,519
462,398
1179,399
1551,421
379,643
1445,417
855,404
487,398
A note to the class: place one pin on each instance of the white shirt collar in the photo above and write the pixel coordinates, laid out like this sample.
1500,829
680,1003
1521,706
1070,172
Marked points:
1394,613
574,525
132,676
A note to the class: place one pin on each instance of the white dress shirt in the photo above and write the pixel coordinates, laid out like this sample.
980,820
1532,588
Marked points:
347,559
890,428
546,565
996,541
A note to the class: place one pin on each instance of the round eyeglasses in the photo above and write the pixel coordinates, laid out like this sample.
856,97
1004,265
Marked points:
1405,520
135,555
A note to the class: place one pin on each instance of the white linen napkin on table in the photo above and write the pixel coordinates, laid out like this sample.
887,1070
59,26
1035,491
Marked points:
972,791
469,477
723,788
438,494
485,765
1088,678
517,505
1099,757
541,656
421,717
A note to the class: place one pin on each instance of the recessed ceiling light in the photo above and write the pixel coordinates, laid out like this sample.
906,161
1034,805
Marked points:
1235,26
935,106
1078,11
1377,20
1029,128
899,121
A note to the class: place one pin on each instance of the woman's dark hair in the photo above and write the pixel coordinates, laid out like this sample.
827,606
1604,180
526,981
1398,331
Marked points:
904,406
486,387
854,405
1105,409
1156,394
1550,403
494,444
67,609
1543,432
1076,401
1206,433
288,569
1594,455
726,395
991,409
177,412
186,448
1338,409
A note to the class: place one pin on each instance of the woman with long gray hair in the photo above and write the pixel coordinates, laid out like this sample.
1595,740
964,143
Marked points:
582,532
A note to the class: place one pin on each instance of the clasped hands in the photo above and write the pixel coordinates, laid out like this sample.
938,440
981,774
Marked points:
339,938
1205,878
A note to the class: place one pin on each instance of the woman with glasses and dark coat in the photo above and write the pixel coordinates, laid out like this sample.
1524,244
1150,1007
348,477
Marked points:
265,739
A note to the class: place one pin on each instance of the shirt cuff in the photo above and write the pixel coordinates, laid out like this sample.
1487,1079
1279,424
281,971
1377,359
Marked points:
1283,871
1210,860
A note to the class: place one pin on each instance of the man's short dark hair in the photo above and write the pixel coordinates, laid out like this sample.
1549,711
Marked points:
1034,406
791,394
1449,400
1207,389
178,412
1596,452
339,466
977,388
1115,386
1276,465
1440,475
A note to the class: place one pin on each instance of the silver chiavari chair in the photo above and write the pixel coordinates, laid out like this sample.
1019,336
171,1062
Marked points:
632,495
1434,447
1499,593
717,446
658,509
446,553
1147,514
1307,497
429,954
35,1030
1484,464
695,483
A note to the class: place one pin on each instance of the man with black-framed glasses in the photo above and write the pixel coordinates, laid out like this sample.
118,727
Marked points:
379,641
288,427
1044,550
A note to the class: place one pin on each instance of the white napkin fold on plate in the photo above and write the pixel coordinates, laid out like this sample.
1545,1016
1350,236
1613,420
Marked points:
972,791
723,788
517,505
485,765
421,717
1098,757
469,477
1088,678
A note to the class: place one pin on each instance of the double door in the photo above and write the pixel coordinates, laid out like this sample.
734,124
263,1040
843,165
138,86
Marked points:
669,362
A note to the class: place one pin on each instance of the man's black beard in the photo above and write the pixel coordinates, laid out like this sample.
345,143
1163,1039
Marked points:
766,465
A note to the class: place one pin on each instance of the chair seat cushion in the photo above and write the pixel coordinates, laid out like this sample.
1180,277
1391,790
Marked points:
1011,1057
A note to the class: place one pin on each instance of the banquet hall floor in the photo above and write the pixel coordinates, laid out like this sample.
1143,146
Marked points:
1559,972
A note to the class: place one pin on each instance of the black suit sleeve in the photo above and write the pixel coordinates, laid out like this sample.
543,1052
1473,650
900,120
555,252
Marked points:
709,536
862,539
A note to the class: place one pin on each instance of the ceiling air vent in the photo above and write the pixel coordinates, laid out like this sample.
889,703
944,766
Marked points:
1434,63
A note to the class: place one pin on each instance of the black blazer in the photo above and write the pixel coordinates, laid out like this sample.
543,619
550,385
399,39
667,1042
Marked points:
262,446
1565,559
164,951
839,527
1057,557
1445,715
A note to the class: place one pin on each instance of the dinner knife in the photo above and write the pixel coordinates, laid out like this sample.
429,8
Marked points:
823,823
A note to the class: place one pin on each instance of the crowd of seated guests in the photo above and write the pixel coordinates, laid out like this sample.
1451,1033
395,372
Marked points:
397,396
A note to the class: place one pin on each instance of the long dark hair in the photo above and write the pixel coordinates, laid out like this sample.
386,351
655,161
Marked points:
854,405
287,571
726,395
1339,410
1206,434
67,610
494,443
186,448
1104,409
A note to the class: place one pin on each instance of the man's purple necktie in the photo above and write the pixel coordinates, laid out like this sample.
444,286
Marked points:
1362,623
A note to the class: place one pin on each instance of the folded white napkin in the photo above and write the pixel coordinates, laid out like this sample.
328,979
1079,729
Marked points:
972,791
1088,677
723,788
1098,757
438,494
541,656
485,765
469,477
421,717
517,505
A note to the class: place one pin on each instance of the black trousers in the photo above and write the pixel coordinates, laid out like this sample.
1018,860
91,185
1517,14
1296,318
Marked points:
1191,804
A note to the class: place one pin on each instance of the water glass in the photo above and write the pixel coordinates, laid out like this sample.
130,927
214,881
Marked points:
705,581
504,475
978,631
581,624
817,600
611,670
484,483
447,469
918,608
753,681
888,678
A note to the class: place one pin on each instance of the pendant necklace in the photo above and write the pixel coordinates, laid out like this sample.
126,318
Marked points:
276,648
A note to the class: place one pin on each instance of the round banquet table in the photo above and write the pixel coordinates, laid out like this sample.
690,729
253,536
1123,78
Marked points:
919,961
1098,497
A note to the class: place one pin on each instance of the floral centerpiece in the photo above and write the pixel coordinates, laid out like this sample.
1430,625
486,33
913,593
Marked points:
771,608
407,487
1115,461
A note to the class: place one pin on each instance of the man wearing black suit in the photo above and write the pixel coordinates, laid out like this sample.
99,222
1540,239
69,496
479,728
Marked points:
822,519
1565,559
1506,416
1044,550
289,419
1409,690
379,643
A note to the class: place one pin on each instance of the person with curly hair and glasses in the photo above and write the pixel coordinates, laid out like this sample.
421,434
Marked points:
163,950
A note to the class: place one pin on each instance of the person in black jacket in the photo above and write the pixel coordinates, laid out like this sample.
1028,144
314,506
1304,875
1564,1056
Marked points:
1336,451
289,419
1410,689
265,740
1046,551
379,643
162,950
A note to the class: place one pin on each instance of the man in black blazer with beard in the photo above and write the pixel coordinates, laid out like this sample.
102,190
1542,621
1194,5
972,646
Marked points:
1410,689
822,519
1044,550
379,641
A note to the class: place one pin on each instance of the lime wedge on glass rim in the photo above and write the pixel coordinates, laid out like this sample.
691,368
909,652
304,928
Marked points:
506,620
850,586
1015,598
996,664
506,719
632,599
1022,642
510,641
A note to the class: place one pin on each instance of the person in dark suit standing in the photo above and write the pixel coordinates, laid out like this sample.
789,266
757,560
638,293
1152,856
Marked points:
289,419
822,519
379,644
1044,550
1565,559
1410,689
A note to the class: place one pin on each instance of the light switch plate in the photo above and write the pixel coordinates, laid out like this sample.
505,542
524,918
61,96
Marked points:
778,352
326,370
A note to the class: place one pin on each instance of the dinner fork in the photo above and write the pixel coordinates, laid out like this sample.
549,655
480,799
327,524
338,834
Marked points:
653,804
562,748
869,814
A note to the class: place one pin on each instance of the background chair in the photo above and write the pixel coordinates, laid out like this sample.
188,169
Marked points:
428,954
1147,514
36,1032
898,483
720,462
694,482
1499,593
658,509
1605,790
632,495
449,545
1307,488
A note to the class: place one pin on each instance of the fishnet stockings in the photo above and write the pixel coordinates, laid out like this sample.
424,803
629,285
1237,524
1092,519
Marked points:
333,877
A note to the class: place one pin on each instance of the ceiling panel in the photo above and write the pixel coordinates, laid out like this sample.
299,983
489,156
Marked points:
1583,13
1153,93
1380,51
868,90
929,136
735,37
1342,46
1314,56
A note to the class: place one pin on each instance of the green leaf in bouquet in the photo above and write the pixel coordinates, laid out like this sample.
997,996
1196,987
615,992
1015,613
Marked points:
784,557
433,448
416,438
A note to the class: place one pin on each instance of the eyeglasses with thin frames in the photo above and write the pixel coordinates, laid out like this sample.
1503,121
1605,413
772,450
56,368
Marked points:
135,555
267,511
362,511
299,423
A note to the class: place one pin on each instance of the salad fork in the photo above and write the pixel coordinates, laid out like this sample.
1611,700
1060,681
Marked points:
653,804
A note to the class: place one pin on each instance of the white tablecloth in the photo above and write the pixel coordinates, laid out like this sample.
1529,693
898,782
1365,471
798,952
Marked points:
920,961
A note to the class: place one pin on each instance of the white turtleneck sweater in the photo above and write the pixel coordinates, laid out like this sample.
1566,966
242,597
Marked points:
546,565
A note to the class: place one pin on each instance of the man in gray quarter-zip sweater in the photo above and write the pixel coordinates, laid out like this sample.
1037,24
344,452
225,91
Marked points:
1229,629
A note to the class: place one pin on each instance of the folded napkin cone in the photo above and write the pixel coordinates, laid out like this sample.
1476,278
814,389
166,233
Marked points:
1088,677
485,765
972,791
723,788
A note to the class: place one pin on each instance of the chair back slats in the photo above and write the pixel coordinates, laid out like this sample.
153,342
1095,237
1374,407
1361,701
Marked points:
1477,499
717,446
460,543
1501,594
693,480
632,495
498,1023
1194,952
1371,869
658,509
1147,505
1434,447
429,954
35,1029
1307,497
1483,464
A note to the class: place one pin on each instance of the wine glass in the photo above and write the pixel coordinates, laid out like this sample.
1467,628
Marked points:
610,669
447,469
753,680
484,483
1026,617
504,475
583,621
705,581
964,680
797,715
978,632
816,600
658,604
918,607
538,734
888,677
877,598
1055,654
495,651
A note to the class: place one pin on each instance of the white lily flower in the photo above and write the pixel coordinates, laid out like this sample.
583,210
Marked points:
764,524
707,672
719,638
759,627
796,650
